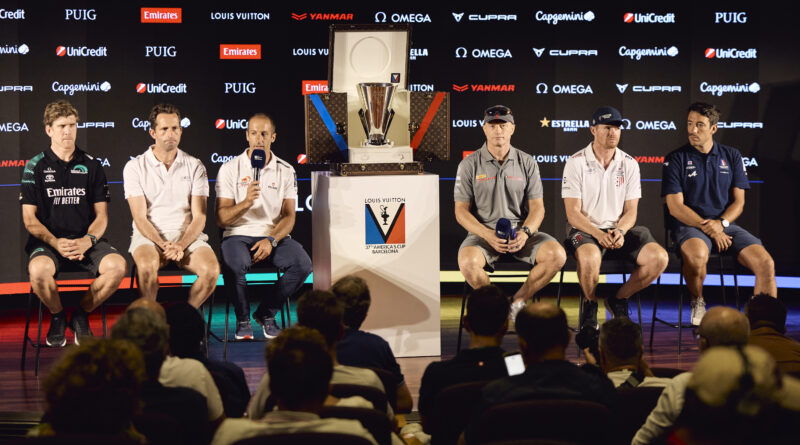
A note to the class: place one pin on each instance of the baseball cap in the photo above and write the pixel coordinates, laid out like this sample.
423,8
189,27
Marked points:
498,113
607,116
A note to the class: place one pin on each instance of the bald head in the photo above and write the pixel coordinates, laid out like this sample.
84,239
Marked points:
150,305
542,329
723,326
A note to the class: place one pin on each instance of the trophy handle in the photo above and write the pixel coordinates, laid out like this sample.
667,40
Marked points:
364,121
388,122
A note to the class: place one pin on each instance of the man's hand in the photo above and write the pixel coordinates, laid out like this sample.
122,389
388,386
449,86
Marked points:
253,192
711,226
618,239
172,251
606,240
73,249
722,241
498,244
590,358
518,242
262,249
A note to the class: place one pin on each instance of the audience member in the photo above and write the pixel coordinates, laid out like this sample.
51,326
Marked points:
622,355
543,338
721,326
185,409
738,396
364,349
93,392
767,317
486,322
319,310
186,336
300,369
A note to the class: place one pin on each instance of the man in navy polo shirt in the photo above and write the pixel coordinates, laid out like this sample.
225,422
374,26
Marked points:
704,183
64,207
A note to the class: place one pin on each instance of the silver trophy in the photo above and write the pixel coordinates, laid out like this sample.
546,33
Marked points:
376,113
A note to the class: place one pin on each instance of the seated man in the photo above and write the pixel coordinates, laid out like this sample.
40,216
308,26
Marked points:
501,181
601,191
543,338
767,317
364,349
622,355
320,310
300,369
486,322
704,183
167,189
257,222
64,199
186,407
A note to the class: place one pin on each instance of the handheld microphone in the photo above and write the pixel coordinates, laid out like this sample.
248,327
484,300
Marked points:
505,230
257,160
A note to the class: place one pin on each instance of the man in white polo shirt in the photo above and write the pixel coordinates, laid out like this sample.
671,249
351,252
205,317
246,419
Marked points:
258,216
167,191
601,190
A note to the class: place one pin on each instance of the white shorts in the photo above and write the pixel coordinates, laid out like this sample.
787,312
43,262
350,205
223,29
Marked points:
138,240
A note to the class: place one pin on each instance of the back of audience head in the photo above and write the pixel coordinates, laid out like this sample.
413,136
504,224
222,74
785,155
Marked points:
354,294
186,330
147,330
723,326
94,388
764,309
487,311
321,310
542,331
300,369
152,305
620,342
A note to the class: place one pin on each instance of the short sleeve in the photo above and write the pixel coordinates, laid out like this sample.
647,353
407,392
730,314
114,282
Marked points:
100,191
571,186
199,180
533,189
633,190
290,184
671,175
226,181
29,190
739,171
465,176
132,180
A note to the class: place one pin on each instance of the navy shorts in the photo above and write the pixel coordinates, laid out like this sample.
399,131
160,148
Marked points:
740,238
91,259
635,239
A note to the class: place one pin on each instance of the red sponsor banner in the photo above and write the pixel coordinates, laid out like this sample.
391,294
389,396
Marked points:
466,153
161,15
315,86
239,51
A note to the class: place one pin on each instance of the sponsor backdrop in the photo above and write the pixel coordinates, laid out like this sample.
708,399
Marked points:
553,64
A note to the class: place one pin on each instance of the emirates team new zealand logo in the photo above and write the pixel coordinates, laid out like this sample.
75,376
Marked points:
385,221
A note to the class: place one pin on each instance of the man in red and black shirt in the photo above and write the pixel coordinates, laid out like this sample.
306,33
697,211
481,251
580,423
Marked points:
64,207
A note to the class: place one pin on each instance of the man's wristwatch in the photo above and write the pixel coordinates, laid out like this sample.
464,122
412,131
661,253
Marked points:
93,238
273,241
621,232
527,231
725,223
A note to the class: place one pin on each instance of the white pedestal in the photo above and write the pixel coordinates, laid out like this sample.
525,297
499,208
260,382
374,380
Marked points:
384,229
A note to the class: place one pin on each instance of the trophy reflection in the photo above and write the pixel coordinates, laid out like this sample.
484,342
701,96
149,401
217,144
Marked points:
376,113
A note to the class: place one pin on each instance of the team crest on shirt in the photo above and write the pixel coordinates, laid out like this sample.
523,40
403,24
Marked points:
723,165
620,178
244,182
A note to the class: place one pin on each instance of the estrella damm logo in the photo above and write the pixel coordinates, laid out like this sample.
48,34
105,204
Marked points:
385,223
79,169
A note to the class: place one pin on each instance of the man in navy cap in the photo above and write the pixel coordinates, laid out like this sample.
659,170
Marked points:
601,190
500,181
704,183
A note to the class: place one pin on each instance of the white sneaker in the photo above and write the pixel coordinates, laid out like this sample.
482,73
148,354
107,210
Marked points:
698,310
515,308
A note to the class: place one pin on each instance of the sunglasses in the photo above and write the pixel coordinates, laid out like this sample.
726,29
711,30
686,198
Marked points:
498,111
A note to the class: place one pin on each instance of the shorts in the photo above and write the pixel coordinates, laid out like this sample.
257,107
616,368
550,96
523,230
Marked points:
635,240
527,254
740,238
90,262
138,240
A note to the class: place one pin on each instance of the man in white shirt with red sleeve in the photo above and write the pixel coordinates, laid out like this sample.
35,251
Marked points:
167,191
601,188
258,216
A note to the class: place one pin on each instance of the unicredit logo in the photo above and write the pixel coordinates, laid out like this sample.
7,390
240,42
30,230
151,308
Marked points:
648,17
341,16
161,15
638,53
230,124
7,14
555,18
15,49
719,90
16,88
314,86
81,51
239,51
160,88
481,88
414,17
88,87
731,53
480,53
542,88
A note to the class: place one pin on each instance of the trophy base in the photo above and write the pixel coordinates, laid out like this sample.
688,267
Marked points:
375,169
380,154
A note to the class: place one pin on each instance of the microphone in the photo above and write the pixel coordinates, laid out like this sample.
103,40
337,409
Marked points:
505,230
257,160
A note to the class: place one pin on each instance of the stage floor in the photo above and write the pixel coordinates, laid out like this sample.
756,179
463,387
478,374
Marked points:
20,390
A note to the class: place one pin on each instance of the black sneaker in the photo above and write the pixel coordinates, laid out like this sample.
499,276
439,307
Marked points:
58,327
268,326
588,315
618,307
243,330
79,324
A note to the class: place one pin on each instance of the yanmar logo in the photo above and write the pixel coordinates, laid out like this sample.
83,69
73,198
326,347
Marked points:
231,51
81,51
16,88
731,53
314,87
648,17
160,88
13,162
161,15
339,16
484,88
414,17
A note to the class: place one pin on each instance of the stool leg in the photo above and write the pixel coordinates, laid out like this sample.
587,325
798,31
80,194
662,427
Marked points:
736,287
722,281
680,309
105,323
38,341
26,338
461,318
558,293
225,338
655,305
